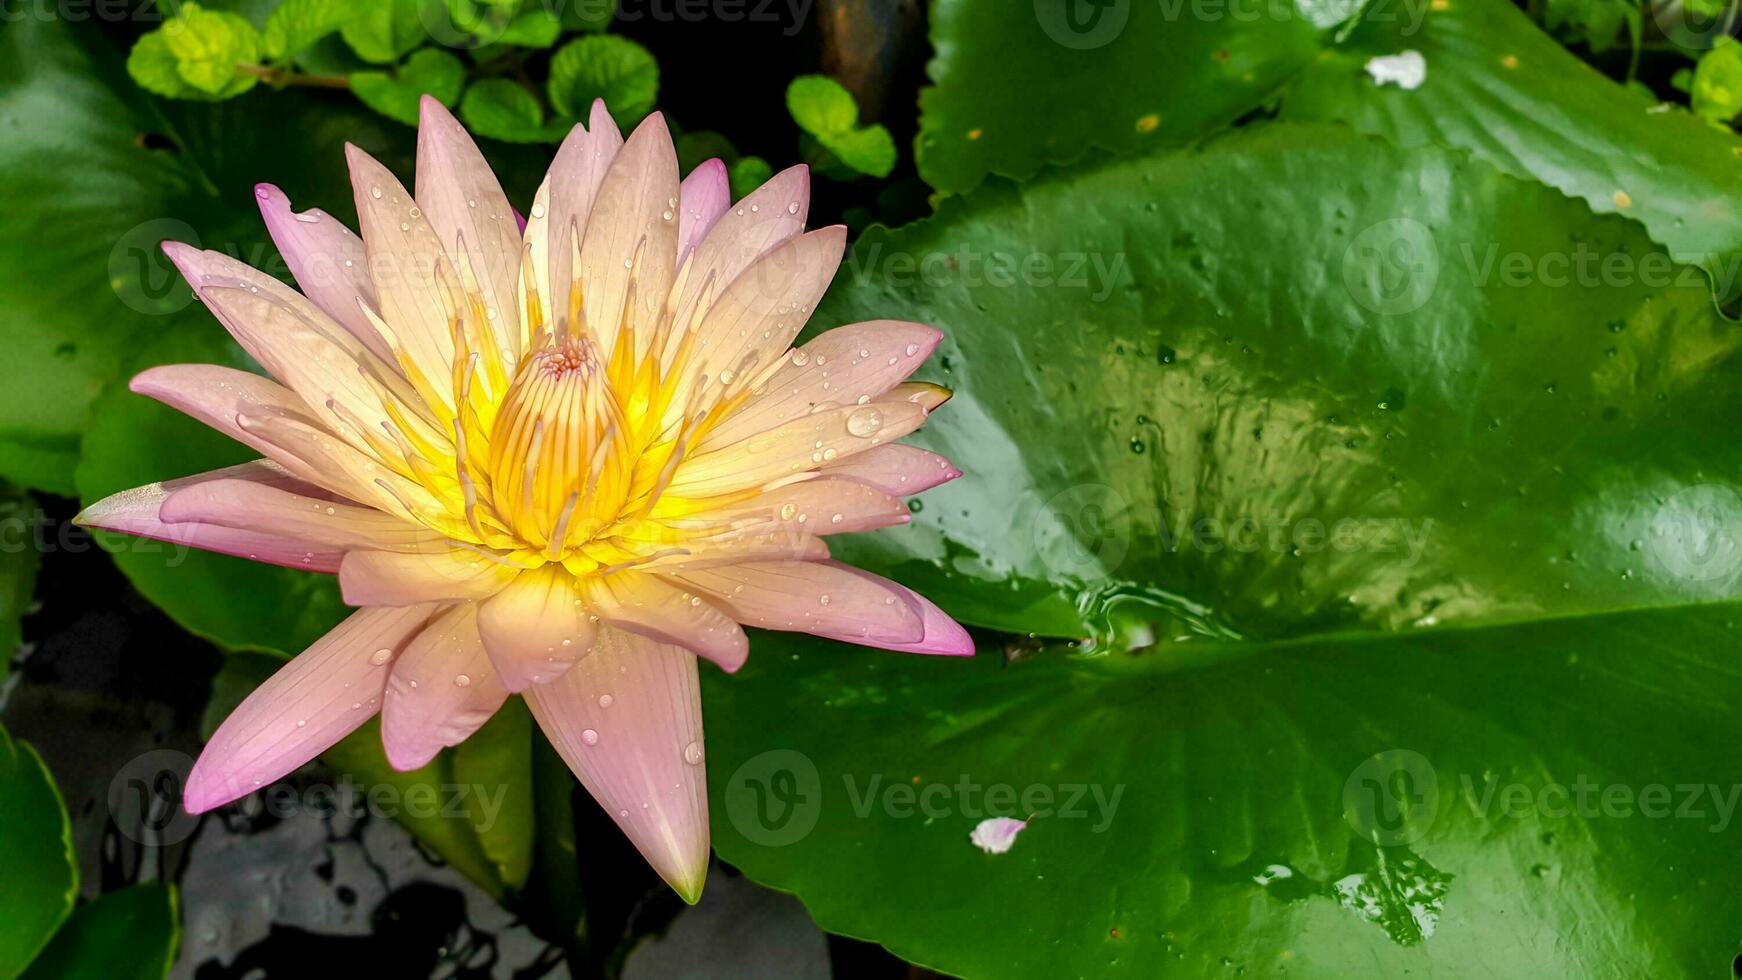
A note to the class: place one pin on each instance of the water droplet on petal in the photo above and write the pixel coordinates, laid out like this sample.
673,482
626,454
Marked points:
590,737
461,680
692,753
605,700
381,656
864,422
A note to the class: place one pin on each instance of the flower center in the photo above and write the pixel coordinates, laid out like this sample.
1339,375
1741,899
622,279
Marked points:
556,453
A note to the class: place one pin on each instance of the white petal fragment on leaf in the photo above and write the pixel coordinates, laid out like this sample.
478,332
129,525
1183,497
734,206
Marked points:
994,835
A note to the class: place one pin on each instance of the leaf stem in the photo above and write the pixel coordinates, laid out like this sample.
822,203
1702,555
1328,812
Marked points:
280,76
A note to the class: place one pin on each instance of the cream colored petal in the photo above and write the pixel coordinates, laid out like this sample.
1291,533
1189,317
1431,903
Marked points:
654,608
629,249
140,512
811,597
404,254
782,545
742,336
815,506
221,397
894,468
463,203
848,365
297,343
388,578
306,447
628,721
248,505
440,690
537,627
328,262
755,226
558,221
319,697
795,447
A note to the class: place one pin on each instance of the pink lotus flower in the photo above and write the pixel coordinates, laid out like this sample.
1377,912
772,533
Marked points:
554,462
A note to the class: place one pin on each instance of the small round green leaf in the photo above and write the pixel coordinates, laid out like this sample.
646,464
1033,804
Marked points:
209,45
153,65
504,110
386,30
821,105
745,174
607,67
1717,84
870,150
295,25
396,94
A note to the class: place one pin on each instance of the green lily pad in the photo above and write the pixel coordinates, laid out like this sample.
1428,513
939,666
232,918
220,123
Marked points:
1509,94
1302,381
1421,804
1018,86
1406,549
100,174
41,872
130,934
